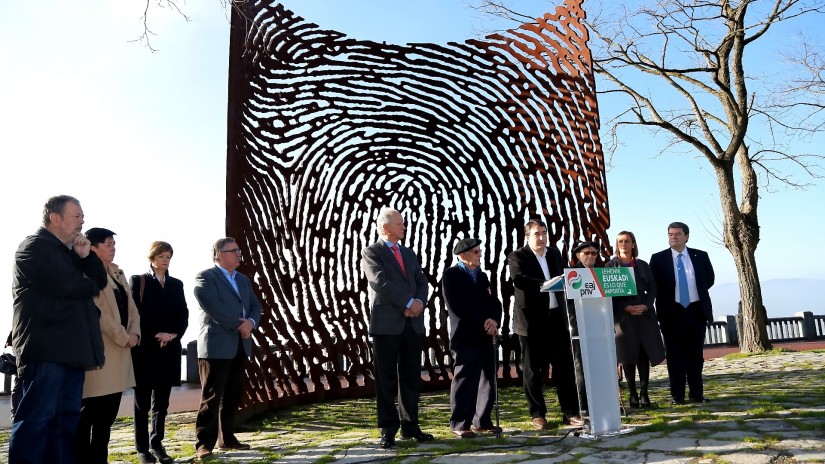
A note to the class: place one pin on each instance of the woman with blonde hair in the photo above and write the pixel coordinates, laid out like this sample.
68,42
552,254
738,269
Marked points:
638,340
164,317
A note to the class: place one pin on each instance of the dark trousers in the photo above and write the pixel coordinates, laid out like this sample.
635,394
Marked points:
45,421
221,389
684,341
398,373
472,394
578,367
97,414
535,367
155,399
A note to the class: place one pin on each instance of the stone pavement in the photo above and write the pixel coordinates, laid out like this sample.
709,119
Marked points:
764,409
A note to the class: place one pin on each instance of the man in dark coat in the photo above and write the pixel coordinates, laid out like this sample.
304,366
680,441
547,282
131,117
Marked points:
56,332
398,290
475,314
540,321
683,277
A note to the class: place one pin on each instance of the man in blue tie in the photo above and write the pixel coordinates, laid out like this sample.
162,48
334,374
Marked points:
683,277
229,312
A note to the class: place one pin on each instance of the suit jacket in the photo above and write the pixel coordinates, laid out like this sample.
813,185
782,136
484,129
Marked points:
162,309
531,306
391,289
661,265
469,304
117,373
221,310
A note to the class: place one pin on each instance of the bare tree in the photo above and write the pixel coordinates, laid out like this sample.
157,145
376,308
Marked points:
711,99
146,37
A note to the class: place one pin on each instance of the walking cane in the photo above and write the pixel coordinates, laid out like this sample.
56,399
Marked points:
495,381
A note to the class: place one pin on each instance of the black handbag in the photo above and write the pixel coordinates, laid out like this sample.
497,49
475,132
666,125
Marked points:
8,364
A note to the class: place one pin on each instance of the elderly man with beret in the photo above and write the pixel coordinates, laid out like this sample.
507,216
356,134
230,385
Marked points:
475,315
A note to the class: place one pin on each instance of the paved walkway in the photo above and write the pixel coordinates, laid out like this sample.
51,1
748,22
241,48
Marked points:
765,409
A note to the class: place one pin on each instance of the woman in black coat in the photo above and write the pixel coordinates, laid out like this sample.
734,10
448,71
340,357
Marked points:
164,317
638,340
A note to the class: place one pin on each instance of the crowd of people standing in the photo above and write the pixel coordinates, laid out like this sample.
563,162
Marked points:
545,325
83,334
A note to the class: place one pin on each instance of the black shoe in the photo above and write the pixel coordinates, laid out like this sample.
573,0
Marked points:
146,458
387,441
675,401
644,400
633,400
162,457
234,445
419,436
703,399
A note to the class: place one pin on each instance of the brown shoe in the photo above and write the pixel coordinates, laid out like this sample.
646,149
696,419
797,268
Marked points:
575,421
490,429
464,433
234,445
539,423
204,452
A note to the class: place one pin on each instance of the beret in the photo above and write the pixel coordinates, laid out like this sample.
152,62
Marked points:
578,246
466,244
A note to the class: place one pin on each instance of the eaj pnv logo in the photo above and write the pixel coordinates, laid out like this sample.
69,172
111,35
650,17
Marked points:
574,280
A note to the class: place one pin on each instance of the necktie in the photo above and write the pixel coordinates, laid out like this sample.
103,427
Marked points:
398,258
684,293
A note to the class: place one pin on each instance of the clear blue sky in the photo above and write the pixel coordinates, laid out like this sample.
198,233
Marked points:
140,137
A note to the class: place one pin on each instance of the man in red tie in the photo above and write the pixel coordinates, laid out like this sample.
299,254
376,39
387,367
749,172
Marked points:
398,291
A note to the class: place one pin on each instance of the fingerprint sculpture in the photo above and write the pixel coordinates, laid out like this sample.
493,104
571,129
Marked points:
465,139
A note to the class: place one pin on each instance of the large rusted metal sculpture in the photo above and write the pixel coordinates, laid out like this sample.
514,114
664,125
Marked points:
465,139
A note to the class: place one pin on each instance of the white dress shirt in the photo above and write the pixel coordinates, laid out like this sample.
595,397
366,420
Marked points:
691,275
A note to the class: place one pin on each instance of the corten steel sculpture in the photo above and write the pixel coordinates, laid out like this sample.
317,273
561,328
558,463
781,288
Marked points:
465,138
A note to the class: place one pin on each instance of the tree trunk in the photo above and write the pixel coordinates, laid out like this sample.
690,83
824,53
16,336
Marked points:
741,236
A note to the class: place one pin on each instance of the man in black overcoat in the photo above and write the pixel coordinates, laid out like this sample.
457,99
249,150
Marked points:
475,315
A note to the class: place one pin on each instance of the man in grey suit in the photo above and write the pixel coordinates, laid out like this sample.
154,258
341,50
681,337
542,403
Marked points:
229,313
399,294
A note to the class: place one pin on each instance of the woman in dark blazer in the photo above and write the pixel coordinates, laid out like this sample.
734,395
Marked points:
164,317
638,340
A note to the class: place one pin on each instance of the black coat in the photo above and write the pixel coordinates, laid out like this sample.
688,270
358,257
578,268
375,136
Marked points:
642,330
55,319
531,305
469,304
661,265
162,309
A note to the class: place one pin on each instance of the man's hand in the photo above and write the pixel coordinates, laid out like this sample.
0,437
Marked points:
490,327
415,309
81,245
245,329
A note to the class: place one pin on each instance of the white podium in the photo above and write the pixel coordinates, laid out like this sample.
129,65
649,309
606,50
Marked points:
589,290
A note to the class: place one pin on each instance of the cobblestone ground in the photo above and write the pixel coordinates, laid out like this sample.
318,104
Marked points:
764,409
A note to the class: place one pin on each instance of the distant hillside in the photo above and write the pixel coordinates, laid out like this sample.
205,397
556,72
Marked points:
782,297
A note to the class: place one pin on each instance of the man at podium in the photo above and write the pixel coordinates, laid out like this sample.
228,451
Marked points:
540,321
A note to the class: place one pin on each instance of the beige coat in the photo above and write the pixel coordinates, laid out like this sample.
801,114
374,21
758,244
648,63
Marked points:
117,374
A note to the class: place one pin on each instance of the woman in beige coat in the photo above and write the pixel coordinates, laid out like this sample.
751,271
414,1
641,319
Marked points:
120,326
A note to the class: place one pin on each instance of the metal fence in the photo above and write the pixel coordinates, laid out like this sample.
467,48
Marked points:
804,326
723,332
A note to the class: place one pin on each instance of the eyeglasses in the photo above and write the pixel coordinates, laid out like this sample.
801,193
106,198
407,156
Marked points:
588,253
237,251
